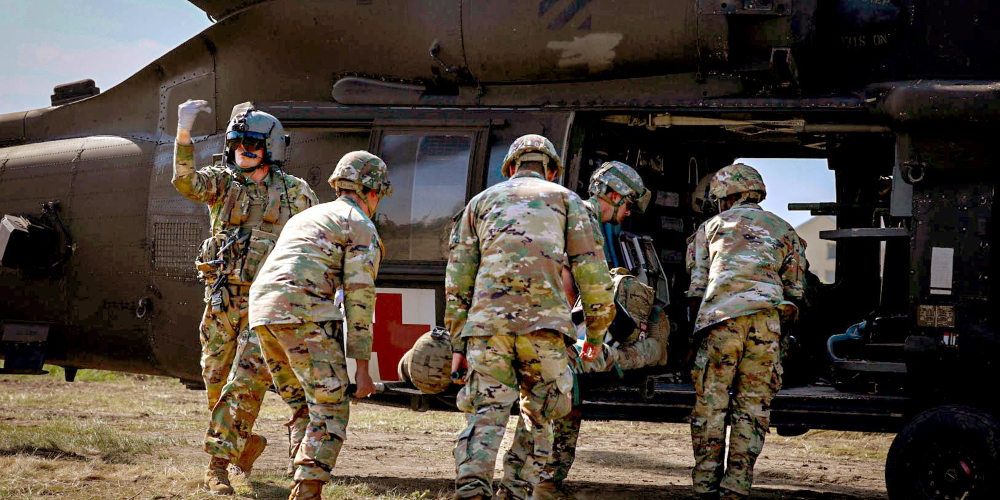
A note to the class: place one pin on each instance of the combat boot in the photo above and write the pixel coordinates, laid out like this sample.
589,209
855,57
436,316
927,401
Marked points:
251,451
217,477
659,332
307,490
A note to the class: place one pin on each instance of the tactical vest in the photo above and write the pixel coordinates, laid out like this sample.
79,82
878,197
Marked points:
250,223
633,303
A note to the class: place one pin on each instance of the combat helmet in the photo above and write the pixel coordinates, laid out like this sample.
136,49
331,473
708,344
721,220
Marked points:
255,129
531,147
735,179
622,179
427,364
701,198
361,169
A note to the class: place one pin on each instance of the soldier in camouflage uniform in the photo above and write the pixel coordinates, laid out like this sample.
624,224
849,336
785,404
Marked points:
250,199
508,314
616,189
293,305
746,275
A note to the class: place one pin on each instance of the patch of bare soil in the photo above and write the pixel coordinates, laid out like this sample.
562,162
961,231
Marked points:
390,453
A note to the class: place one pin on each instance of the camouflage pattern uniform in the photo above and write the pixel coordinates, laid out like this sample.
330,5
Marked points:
747,267
235,374
517,482
292,305
507,311
638,353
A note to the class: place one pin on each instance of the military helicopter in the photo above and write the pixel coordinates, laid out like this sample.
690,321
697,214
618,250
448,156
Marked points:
899,96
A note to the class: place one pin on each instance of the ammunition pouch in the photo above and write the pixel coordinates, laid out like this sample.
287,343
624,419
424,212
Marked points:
238,261
209,263
258,248
237,253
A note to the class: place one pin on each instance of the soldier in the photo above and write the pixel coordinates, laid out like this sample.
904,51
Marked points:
747,274
293,305
508,314
616,189
250,199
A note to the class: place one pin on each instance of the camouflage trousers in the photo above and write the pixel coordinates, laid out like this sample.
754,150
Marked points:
239,404
315,352
225,318
517,479
502,369
742,355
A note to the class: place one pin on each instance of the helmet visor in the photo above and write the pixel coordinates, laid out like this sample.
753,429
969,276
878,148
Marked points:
251,141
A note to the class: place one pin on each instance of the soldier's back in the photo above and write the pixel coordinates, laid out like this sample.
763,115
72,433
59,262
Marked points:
521,225
748,231
298,283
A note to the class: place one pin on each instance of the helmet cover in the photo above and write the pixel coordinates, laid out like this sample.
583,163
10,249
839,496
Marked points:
735,179
622,179
361,169
527,144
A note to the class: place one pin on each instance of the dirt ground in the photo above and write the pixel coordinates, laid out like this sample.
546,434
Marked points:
112,436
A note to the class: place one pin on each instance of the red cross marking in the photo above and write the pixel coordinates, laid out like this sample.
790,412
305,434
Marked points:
392,337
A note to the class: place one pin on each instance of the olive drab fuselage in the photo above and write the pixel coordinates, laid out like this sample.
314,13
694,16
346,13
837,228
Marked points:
898,98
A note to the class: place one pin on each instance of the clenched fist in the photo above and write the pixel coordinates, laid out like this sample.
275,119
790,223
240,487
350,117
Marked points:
188,110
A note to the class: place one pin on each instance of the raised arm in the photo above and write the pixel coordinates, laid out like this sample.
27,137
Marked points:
199,186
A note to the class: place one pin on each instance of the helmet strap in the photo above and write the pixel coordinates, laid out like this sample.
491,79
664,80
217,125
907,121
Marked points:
368,208
615,205
361,198
543,159
251,170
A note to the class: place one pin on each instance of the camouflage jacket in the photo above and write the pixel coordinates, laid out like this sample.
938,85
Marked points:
234,200
326,247
508,249
594,211
745,260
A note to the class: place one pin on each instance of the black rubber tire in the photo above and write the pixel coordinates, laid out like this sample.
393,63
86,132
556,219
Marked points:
945,453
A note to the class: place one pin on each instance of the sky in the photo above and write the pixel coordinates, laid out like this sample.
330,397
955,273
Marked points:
793,181
50,42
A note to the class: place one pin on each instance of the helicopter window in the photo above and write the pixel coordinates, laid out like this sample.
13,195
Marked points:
429,173
498,152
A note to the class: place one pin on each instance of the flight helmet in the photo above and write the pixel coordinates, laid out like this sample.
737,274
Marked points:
531,147
622,179
255,129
